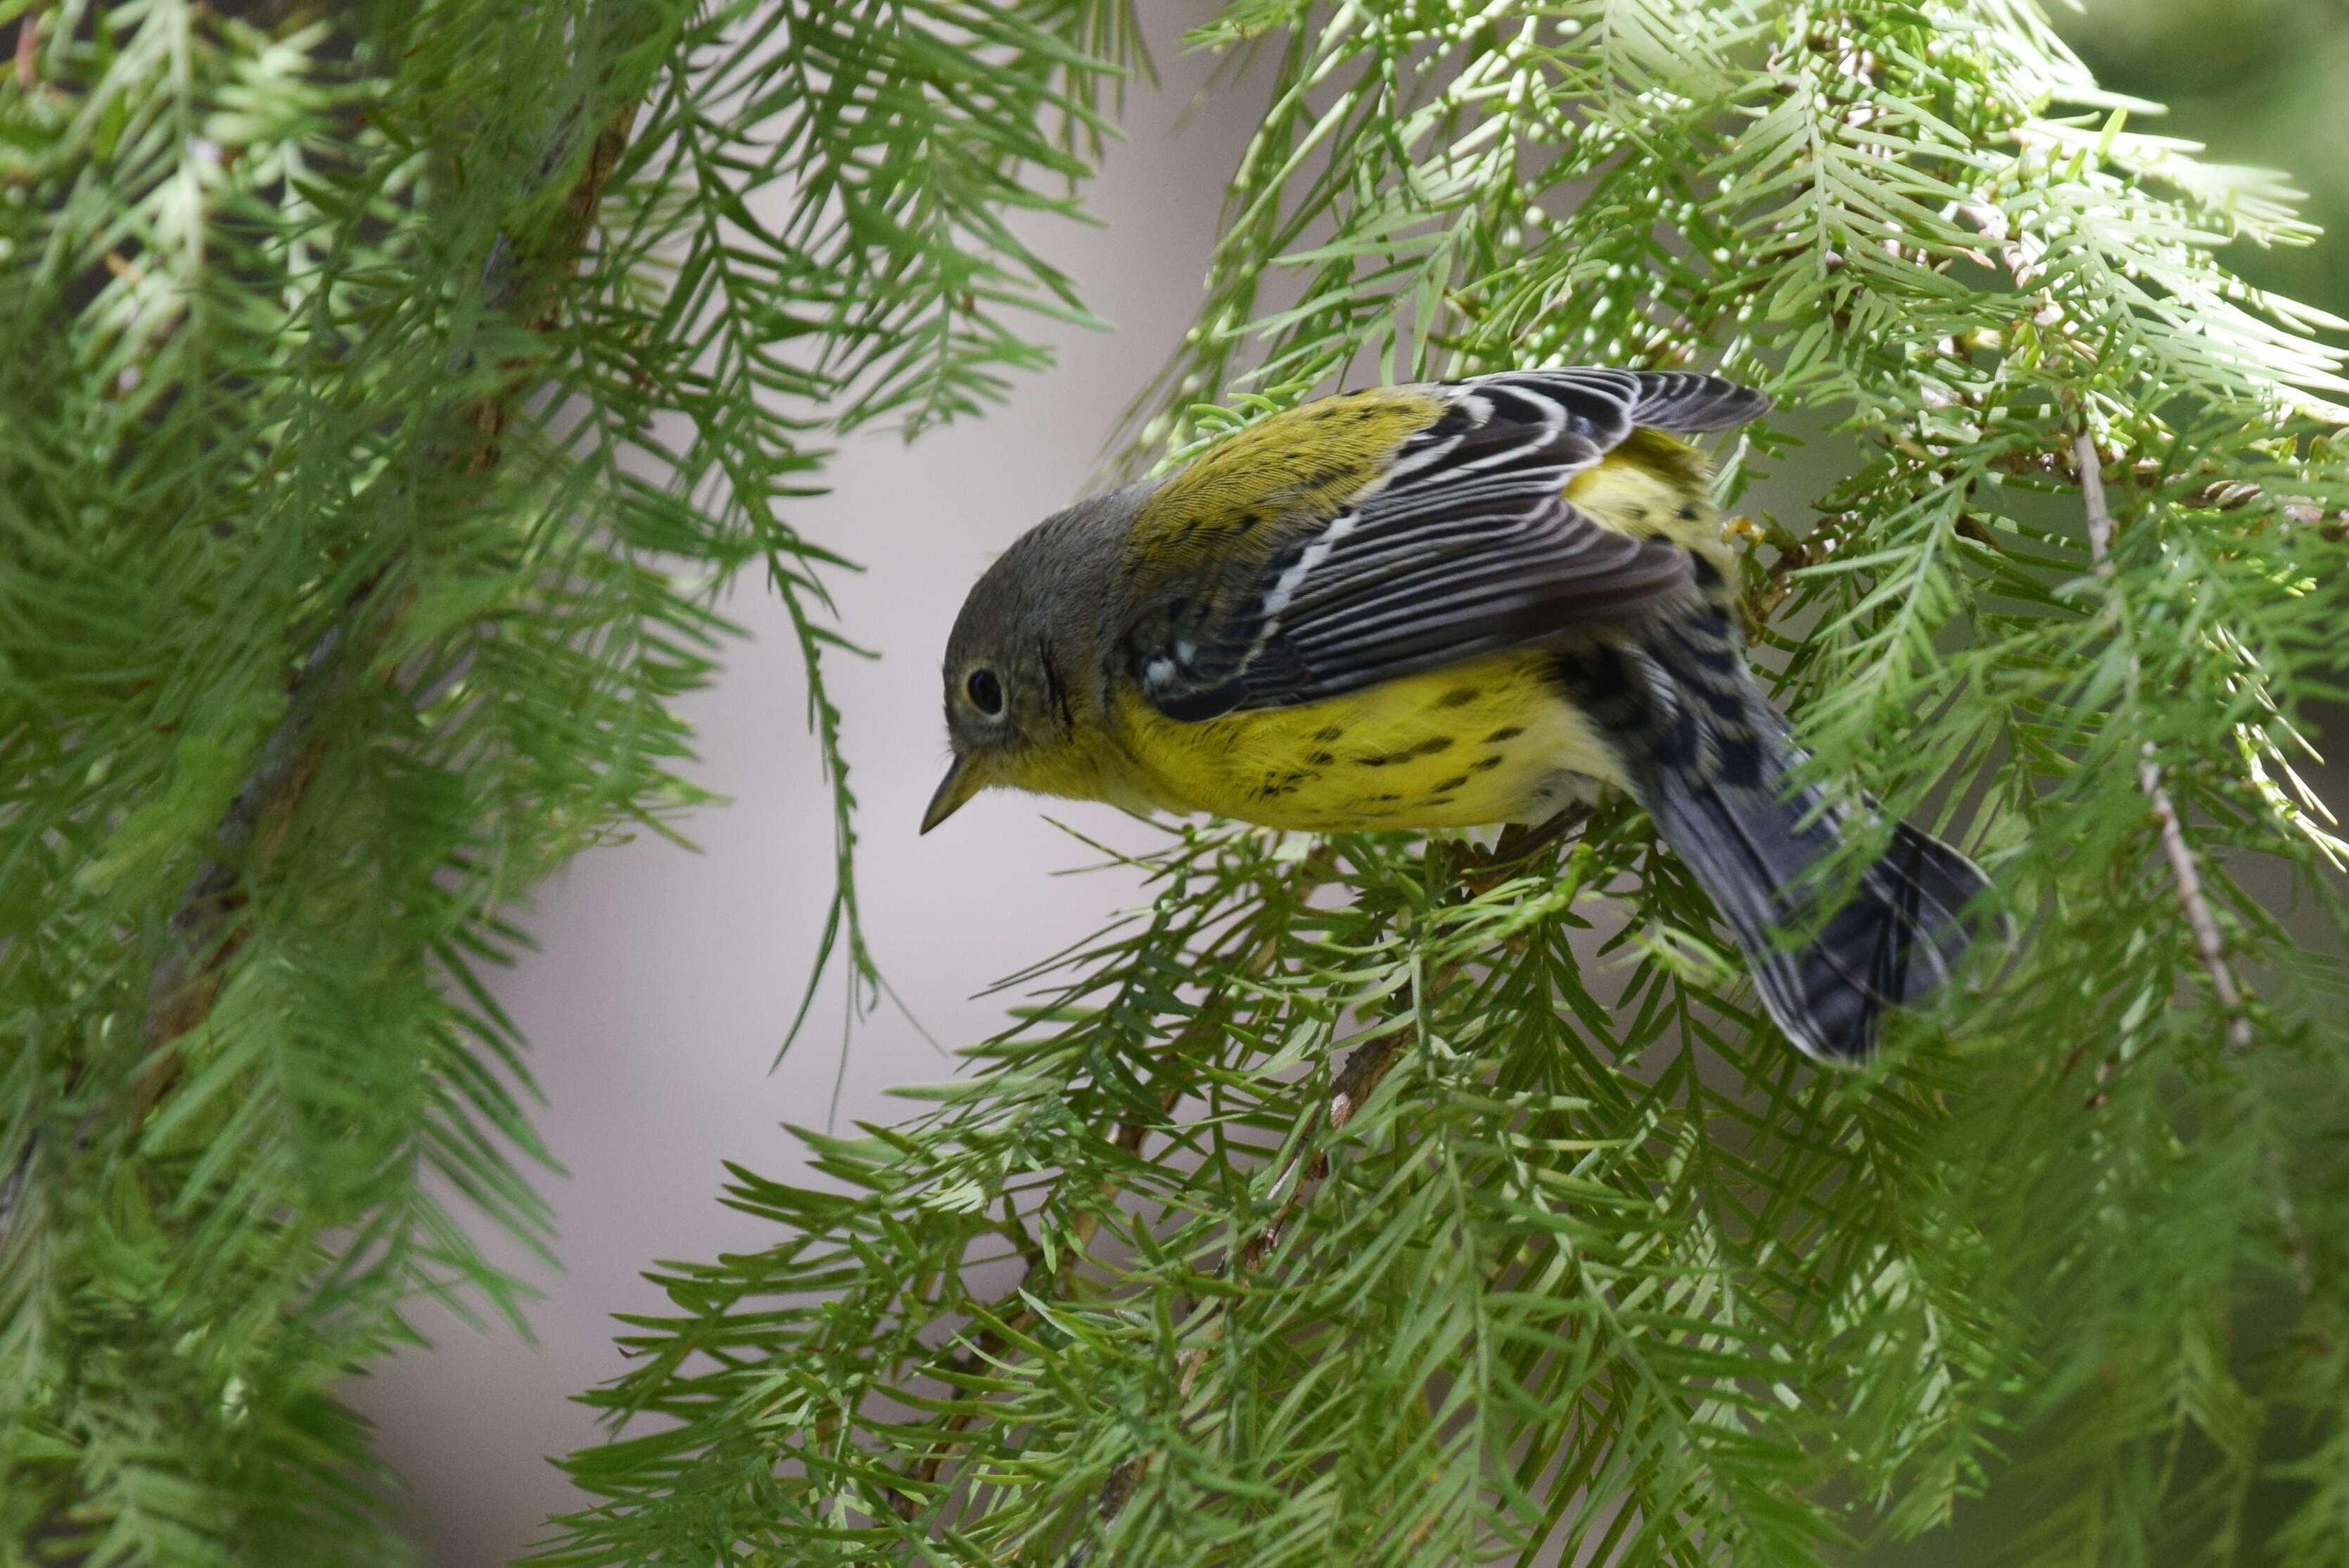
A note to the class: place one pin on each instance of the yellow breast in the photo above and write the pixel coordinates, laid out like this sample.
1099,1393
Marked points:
1489,741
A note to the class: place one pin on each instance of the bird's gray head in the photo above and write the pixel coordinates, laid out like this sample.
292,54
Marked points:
1024,664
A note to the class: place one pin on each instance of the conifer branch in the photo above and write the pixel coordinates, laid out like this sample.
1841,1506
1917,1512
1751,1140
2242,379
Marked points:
205,931
1366,1067
1042,1278
1014,1312
272,442
2209,945
189,979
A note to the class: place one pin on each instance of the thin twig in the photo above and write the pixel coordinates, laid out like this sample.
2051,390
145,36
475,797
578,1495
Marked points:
28,51
2219,495
2210,943
2023,255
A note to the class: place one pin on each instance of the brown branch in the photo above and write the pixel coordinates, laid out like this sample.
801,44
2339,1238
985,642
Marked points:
2210,943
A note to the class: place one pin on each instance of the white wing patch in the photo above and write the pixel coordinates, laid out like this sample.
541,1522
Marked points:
1277,597
1283,589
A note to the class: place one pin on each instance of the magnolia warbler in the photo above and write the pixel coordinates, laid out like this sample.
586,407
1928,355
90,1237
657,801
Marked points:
1438,606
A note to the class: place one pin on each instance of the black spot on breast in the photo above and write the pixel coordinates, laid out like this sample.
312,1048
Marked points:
1245,522
1636,513
1506,732
1321,759
1458,696
1686,514
1429,747
1485,765
1335,732
1384,800
1438,799
1456,782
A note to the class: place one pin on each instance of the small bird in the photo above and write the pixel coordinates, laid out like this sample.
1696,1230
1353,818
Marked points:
1447,605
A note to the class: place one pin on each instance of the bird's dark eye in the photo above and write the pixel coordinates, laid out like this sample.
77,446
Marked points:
986,692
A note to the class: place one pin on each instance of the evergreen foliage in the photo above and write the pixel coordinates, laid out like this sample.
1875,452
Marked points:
389,389
1346,1203
389,393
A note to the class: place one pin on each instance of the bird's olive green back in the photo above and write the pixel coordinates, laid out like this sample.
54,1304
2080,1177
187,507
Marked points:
1241,501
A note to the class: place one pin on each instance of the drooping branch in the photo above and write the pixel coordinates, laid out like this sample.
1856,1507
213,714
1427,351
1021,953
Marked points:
1367,1066
204,930
1046,1280
2210,943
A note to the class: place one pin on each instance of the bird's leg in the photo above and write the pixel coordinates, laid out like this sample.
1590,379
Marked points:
1518,843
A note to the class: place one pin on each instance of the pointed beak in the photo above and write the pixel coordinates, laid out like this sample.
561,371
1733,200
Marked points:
961,782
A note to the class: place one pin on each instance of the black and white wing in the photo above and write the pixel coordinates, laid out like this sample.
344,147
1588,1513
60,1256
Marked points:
1459,544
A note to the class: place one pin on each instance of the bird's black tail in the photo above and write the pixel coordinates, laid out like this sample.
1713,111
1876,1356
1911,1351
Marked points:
1894,936
1709,759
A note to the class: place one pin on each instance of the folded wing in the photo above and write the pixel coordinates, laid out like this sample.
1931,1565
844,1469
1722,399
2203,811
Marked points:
1459,545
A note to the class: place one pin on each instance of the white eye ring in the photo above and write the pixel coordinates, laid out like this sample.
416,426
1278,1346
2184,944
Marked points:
983,690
